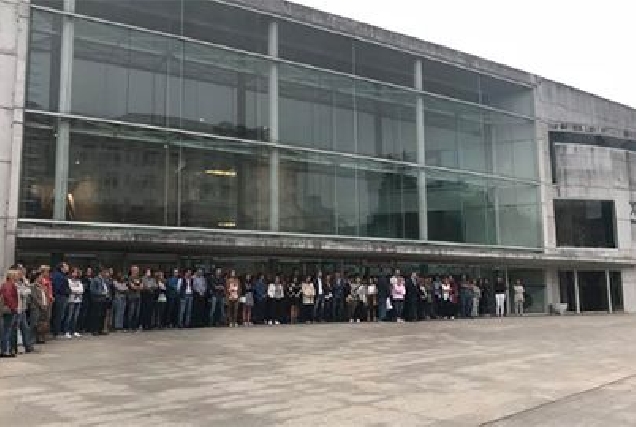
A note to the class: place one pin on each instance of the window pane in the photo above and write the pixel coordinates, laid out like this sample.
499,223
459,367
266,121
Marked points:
54,4
38,167
43,79
593,291
444,79
519,220
383,64
585,223
506,96
307,45
225,25
164,15
535,289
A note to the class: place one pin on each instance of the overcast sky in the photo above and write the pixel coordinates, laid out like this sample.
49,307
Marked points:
588,44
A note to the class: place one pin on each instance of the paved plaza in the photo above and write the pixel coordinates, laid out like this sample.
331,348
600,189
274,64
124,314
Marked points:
545,371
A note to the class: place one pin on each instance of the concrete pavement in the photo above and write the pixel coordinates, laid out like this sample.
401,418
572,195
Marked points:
513,372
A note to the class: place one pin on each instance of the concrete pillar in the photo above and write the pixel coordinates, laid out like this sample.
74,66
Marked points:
421,152
509,300
629,290
577,295
553,294
14,34
274,159
63,127
610,307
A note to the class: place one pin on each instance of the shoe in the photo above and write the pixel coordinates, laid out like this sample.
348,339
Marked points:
350,320
68,336
357,320
30,350
277,322
269,322
77,335
7,355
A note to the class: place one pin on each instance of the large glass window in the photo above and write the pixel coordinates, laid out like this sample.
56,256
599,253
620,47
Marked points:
38,167
585,223
593,291
132,176
519,214
330,195
146,78
43,79
465,137
330,112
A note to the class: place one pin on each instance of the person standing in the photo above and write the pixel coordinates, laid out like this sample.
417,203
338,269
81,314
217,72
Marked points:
198,303
9,310
328,309
372,300
398,292
384,290
159,317
45,278
319,300
135,286
412,297
248,301
148,296
446,305
24,307
437,302
279,301
423,307
216,298
172,294
85,308
269,306
186,290
519,291
353,300
74,304
500,297
294,294
308,291
476,298
260,299
233,292
61,292
41,309
120,291
100,290
338,305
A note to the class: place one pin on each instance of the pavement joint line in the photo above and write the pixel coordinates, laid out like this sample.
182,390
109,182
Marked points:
555,401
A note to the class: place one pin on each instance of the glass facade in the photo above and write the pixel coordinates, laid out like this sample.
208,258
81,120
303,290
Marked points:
171,124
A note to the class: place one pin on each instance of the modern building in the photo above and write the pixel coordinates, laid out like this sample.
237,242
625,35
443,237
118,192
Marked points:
273,137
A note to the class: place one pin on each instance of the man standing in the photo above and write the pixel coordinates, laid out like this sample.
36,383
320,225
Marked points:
338,290
500,297
383,294
200,289
172,296
412,297
186,290
217,298
100,288
260,299
319,303
61,292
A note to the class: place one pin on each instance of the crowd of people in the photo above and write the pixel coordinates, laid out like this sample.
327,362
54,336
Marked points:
68,302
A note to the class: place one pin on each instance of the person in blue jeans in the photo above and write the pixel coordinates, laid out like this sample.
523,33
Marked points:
9,308
173,300
74,304
186,295
216,298
61,292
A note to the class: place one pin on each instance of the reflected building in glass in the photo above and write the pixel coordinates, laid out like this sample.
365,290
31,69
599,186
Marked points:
274,137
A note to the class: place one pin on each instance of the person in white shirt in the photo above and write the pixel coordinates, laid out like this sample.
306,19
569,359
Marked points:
319,301
73,305
270,305
519,297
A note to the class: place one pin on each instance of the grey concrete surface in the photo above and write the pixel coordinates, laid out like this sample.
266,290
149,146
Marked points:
511,372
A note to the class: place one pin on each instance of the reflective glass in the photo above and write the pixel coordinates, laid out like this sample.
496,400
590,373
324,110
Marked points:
43,79
535,288
383,64
133,176
585,223
38,167
330,112
519,215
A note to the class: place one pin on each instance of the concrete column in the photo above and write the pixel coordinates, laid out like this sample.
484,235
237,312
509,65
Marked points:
274,159
509,300
421,152
553,294
628,277
577,295
63,129
610,307
14,35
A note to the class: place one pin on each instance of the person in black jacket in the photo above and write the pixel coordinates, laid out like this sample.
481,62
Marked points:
412,298
383,293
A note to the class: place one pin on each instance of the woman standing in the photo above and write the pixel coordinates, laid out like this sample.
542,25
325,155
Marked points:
233,292
9,310
161,306
372,299
269,303
148,297
308,297
353,299
293,295
40,309
74,304
519,297
248,301
446,305
134,296
279,301
120,291
398,291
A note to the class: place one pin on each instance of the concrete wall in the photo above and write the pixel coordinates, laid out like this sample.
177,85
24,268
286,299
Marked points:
14,21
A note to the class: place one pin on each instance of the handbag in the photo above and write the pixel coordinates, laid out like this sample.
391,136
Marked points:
389,306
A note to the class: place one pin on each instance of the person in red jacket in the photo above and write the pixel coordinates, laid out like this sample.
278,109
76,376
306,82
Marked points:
9,310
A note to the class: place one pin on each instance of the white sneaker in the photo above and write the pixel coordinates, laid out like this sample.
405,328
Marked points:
357,320
68,336
76,335
277,322
269,322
